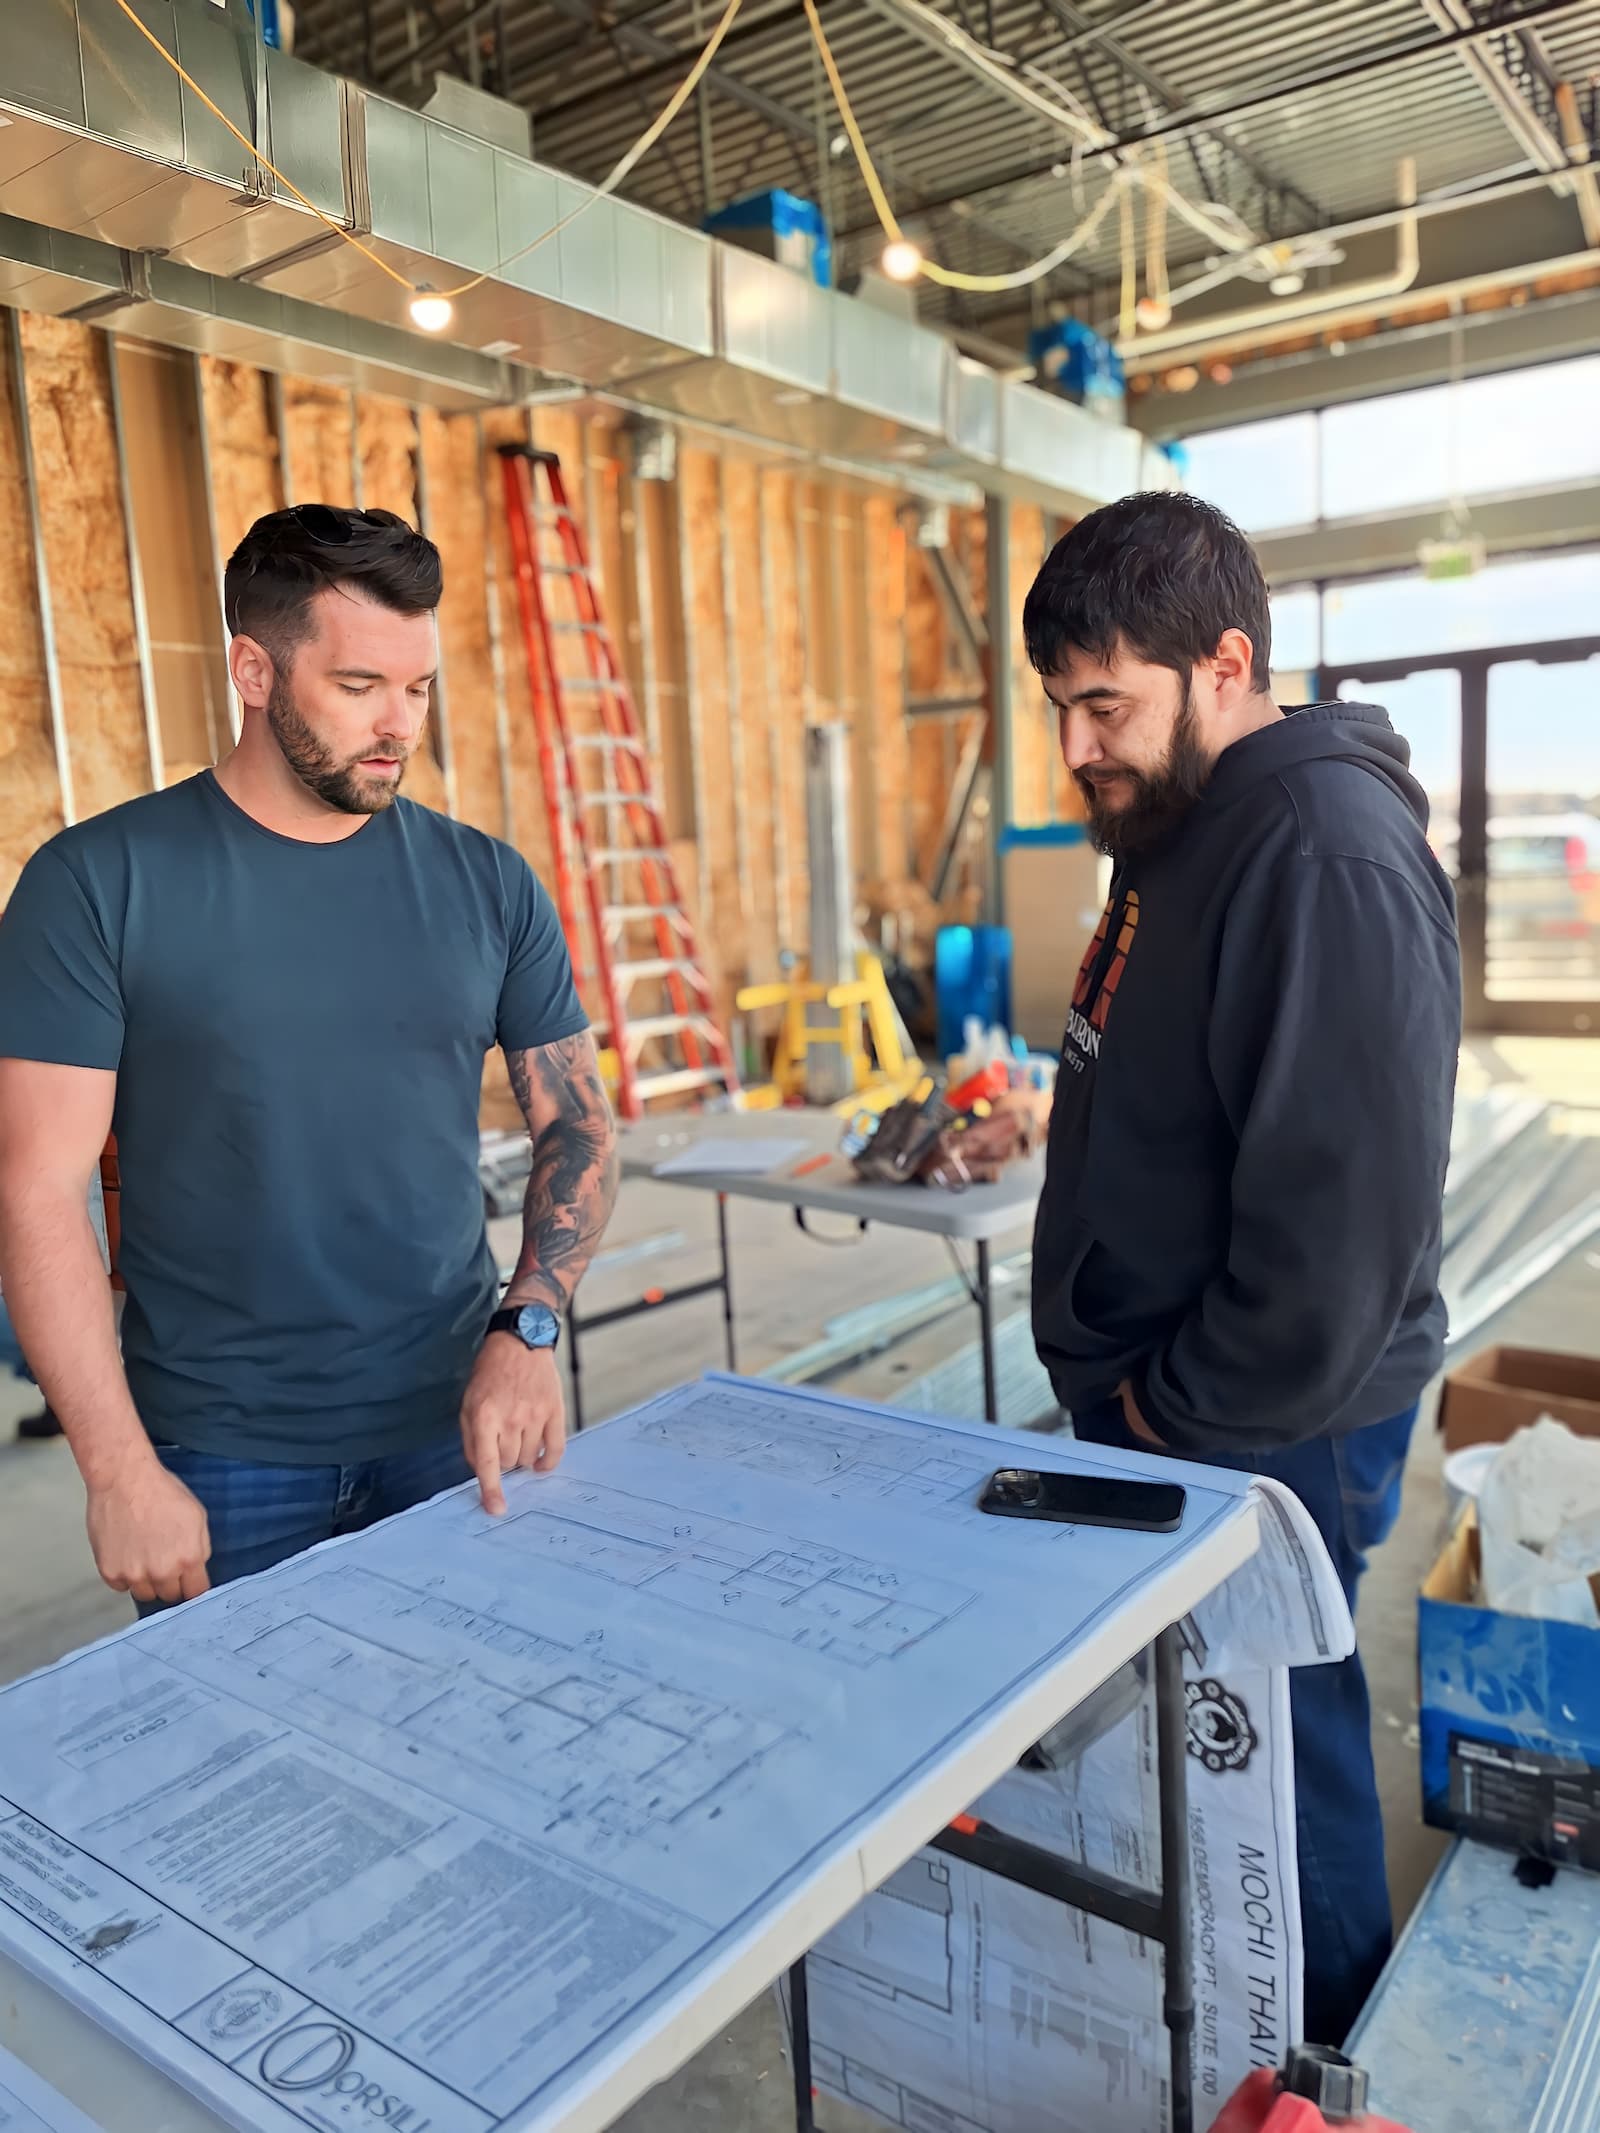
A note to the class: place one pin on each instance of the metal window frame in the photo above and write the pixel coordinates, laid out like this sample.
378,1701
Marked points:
1482,1015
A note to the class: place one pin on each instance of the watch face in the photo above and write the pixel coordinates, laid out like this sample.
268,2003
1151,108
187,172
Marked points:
538,1326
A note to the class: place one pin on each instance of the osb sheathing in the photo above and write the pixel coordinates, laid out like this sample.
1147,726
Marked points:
319,426
458,523
889,738
665,706
793,705
246,478
741,483
68,381
929,673
722,918
30,792
530,824
177,564
1032,735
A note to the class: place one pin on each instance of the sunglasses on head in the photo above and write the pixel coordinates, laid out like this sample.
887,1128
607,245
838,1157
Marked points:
328,525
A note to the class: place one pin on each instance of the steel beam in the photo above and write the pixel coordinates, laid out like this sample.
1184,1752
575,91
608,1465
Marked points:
654,46
1197,119
1106,36
1568,517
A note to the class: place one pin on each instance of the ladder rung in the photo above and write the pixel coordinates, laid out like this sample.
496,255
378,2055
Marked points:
636,914
569,629
561,570
643,1028
655,854
610,740
662,966
593,681
557,511
674,1084
610,798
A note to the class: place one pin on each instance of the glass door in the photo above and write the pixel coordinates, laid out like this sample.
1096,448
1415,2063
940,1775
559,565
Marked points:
1425,707
1542,887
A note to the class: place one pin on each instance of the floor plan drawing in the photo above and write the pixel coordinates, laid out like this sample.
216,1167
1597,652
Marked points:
849,1609
482,1815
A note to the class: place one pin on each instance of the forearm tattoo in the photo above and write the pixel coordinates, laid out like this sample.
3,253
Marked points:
572,1187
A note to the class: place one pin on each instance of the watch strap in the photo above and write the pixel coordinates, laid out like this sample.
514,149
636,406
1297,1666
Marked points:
509,1320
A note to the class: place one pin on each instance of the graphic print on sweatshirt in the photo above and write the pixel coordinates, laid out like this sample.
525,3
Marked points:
1098,979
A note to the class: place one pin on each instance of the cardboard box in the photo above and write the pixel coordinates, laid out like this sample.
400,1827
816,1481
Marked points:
1504,1389
1054,892
1510,1709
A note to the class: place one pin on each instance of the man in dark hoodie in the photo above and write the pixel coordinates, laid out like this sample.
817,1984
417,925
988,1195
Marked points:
1238,1245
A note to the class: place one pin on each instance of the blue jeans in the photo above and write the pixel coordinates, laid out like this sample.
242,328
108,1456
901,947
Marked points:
11,1356
1351,1487
260,1514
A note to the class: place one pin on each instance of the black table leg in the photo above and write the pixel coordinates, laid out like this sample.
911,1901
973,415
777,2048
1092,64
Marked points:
577,1372
727,1278
800,2048
991,1390
1172,1749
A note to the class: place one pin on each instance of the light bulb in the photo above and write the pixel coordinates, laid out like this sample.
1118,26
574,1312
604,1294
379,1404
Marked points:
1289,284
1152,314
431,312
902,260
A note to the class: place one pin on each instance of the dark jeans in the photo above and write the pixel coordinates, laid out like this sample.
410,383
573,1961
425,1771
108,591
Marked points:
261,1514
1351,1487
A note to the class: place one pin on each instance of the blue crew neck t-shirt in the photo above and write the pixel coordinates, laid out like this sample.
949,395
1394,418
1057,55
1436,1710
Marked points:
298,1033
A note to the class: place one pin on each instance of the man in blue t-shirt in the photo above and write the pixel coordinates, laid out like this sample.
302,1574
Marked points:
277,982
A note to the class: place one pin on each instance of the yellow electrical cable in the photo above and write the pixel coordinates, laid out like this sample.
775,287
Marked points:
607,185
1155,232
1130,268
949,277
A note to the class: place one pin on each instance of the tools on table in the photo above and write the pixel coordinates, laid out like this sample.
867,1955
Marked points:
956,1138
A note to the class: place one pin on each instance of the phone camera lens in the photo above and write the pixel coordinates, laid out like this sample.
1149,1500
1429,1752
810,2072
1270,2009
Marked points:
1014,1485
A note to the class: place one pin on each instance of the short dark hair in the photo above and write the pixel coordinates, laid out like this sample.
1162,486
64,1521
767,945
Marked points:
1158,573
288,557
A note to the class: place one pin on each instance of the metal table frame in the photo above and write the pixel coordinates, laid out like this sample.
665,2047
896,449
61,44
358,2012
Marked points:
975,1217
719,1284
1165,1918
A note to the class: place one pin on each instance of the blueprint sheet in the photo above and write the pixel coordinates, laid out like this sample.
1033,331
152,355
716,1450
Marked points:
466,1824
28,2105
951,2001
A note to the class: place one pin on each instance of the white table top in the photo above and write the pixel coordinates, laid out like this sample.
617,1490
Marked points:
510,1817
981,1213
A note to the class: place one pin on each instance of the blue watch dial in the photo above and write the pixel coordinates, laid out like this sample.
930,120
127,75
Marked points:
538,1326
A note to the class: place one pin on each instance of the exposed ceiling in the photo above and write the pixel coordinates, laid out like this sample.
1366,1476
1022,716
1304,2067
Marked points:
1290,116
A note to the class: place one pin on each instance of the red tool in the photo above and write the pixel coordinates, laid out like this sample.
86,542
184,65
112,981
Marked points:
1316,2090
983,1087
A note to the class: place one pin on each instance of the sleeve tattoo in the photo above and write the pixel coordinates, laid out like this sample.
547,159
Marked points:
572,1186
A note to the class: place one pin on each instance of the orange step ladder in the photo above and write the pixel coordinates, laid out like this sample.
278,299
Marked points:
607,834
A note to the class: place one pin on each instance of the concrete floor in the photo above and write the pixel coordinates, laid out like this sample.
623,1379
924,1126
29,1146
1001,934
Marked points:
788,1288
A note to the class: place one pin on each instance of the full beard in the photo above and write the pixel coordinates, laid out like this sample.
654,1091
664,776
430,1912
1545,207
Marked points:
345,785
1160,798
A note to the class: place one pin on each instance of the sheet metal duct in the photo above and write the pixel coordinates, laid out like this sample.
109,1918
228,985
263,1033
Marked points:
143,205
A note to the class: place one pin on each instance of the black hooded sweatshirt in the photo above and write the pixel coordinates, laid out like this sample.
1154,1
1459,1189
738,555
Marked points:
1242,1208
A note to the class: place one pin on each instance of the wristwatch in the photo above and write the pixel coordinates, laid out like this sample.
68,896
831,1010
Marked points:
535,1325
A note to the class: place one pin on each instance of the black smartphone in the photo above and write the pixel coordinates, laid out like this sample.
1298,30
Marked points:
1084,1499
